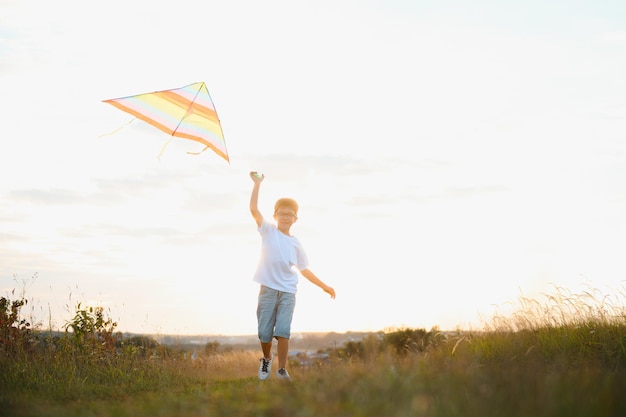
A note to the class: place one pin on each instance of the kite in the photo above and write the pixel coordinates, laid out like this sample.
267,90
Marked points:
187,112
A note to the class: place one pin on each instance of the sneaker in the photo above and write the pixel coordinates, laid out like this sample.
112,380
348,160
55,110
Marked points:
265,370
283,374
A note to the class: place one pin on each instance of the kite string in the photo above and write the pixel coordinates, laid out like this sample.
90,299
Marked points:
118,129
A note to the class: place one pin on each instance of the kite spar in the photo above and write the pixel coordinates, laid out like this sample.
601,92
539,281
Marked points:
187,112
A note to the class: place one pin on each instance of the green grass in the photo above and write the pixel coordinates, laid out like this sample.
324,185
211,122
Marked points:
564,363
438,384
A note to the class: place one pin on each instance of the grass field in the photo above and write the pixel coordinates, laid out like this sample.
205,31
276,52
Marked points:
563,358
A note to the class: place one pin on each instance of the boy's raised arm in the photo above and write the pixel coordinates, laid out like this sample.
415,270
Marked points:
254,197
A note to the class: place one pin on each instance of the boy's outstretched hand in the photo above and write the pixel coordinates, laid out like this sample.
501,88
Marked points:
308,274
330,291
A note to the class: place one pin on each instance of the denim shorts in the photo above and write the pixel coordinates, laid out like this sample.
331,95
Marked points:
274,313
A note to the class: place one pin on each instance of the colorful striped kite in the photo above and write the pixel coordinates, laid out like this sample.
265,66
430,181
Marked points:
187,112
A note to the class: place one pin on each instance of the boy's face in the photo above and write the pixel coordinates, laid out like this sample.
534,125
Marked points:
285,216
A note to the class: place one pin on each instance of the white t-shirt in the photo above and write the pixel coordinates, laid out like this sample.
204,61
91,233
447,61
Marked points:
279,255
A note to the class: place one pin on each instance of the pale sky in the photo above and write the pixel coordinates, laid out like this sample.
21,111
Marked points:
448,156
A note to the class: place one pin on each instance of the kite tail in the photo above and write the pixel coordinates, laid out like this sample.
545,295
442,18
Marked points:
118,129
198,153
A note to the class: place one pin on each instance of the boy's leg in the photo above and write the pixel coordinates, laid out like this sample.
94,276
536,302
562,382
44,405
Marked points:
267,349
283,351
266,316
282,333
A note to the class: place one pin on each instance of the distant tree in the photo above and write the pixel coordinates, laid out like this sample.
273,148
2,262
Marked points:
211,348
408,340
142,346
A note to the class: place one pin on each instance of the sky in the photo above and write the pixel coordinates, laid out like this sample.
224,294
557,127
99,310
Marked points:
449,158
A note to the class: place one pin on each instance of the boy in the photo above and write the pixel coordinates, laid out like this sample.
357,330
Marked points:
280,252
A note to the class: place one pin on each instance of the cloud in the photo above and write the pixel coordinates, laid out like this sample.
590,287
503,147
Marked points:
300,165
150,180
470,192
200,202
45,197
104,191
615,37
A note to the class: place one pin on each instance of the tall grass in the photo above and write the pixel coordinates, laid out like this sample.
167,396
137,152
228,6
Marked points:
564,356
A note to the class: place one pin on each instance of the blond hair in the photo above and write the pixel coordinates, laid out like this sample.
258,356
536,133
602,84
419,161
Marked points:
286,202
